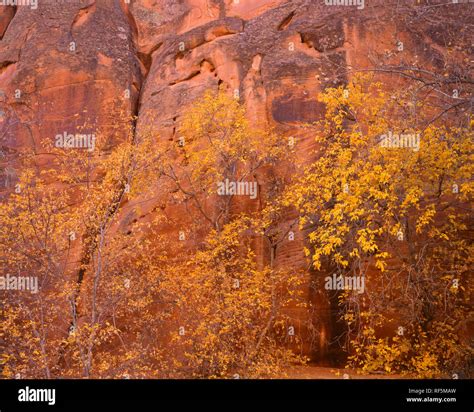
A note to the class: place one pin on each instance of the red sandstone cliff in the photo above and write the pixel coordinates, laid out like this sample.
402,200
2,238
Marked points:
154,58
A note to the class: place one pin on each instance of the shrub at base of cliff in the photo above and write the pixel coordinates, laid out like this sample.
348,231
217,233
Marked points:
229,311
136,299
395,212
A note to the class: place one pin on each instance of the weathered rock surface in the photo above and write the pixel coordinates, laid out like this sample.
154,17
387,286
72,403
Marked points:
82,57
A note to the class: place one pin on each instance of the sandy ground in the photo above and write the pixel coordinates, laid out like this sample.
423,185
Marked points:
321,372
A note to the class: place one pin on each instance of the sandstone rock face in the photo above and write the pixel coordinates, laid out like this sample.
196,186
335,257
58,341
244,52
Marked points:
155,57
57,61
